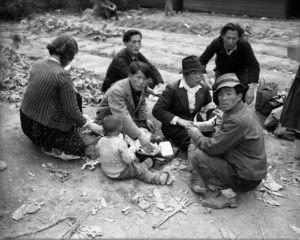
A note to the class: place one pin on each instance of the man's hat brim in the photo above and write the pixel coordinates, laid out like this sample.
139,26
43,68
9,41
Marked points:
228,84
200,68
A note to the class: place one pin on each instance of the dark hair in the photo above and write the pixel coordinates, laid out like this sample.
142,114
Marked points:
64,46
111,124
134,67
239,89
232,27
127,35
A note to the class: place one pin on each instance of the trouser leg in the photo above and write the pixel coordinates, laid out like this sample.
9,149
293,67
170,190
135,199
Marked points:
138,171
210,172
218,172
178,135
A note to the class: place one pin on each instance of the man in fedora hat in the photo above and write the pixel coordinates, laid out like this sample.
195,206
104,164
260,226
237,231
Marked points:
234,158
181,101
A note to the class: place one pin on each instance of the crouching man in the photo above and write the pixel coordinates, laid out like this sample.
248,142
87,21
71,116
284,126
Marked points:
234,159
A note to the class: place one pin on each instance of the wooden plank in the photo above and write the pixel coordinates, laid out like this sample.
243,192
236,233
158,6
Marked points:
260,8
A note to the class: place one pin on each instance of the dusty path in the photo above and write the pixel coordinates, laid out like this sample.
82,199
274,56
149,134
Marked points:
25,179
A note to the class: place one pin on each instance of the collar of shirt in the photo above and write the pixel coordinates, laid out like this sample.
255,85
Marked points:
134,56
192,90
231,50
191,93
54,59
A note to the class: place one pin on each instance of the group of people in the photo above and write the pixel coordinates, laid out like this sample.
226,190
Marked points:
230,160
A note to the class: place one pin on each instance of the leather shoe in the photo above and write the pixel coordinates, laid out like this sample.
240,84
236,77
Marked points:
220,201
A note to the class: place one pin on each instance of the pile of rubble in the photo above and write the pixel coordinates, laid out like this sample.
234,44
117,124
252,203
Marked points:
15,71
88,85
14,74
49,23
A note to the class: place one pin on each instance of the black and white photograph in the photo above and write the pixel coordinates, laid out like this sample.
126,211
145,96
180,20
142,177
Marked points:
150,119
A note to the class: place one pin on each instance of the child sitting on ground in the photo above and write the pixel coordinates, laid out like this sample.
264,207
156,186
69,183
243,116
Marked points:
117,160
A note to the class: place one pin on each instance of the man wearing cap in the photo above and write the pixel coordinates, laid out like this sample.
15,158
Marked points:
234,159
181,101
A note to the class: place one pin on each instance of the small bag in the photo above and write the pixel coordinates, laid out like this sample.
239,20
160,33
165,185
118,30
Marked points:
273,119
265,91
274,102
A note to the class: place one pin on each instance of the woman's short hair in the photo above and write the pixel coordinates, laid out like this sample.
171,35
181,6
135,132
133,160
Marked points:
127,35
232,27
134,67
64,46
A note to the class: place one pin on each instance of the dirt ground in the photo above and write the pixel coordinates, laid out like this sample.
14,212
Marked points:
165,42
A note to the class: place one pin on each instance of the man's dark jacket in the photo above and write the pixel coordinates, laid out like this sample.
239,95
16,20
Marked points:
119,69
174,102
241,61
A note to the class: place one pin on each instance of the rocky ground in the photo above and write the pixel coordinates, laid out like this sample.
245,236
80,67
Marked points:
261,214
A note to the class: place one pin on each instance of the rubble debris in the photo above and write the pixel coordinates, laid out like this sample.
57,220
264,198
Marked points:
3,165
173,202
29,233
182,203
295,229
90,164
87,84
108,219
140,201
160,203
168,209
155,213
59,173
270,183
82,194
31,174
14,74
19,213
141,214
137,198
49,23
228,234
267,198
30,208
103,202
126,210
144,205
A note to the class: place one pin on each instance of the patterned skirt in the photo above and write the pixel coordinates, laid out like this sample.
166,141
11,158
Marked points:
69,142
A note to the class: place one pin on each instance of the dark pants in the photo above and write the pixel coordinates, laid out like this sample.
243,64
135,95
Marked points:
139,171
243,77
178,134
69,142
218,172
179,5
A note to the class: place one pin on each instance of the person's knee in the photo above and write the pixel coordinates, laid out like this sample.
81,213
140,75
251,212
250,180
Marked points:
196,156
